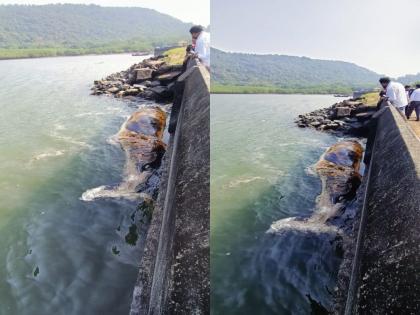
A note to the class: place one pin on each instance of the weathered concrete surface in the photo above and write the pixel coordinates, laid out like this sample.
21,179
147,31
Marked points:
174,272
385,276
415,125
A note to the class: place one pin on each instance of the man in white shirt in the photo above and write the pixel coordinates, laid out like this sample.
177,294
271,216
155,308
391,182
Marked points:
395,93
202,44
415,102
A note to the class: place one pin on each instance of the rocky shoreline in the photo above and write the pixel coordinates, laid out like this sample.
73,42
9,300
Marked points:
350,117
151,79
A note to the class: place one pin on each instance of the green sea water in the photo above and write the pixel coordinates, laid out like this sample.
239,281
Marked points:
59,254
261,172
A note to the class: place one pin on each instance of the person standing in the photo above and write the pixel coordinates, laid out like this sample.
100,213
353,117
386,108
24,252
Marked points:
395,93
202,44
415,102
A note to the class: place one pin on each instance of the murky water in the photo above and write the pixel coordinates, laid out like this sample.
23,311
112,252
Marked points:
59,254
261,172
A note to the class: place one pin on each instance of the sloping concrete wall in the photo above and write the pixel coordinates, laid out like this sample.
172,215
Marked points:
174,271
385,277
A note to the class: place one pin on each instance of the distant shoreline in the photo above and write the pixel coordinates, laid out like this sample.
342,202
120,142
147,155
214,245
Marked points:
267,89
80,55
279,93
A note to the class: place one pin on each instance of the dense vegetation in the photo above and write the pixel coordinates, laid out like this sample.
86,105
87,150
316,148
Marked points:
50,30
250,73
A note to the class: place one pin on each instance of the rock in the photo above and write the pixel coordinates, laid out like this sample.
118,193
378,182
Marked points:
113,90
364,116
131,91
168,76
161,92
148,94
147,83
153,63
120,94
315,124
143,74
343,112
350,120
350,103
363,109
154,83
330,126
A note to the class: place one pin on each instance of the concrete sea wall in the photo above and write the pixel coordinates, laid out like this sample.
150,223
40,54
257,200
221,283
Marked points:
384,273
174,271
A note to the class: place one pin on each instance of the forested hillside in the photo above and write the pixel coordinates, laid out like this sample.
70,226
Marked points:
30,30
238,72
410,79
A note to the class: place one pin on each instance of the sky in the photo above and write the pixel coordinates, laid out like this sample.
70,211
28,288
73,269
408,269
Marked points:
377,34
195,11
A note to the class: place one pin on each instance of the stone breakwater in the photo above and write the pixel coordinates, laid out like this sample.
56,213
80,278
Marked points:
152,79
349,117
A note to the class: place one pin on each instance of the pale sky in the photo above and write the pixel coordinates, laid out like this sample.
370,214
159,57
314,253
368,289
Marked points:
381,35
195,11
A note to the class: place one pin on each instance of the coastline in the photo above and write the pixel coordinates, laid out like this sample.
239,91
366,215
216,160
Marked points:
273,93
80,55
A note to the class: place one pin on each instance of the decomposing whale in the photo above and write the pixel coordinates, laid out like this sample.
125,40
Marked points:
338,169
141,139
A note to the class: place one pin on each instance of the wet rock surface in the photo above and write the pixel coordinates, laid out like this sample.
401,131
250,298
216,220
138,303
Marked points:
150,79
349,117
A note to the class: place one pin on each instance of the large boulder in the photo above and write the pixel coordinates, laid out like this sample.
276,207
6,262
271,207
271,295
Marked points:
113,90
161,92
168,77
153,63
342,112
143,74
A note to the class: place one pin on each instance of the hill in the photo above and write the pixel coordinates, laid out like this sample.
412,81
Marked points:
409,79
251,73
65,29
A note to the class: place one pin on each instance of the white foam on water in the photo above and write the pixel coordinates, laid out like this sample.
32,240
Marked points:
310,170
89,114
109,192
71,140
48,154
301,225
113,140
127,189
241,181
59,126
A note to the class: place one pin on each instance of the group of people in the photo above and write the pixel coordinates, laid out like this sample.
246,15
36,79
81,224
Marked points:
404,98
200,47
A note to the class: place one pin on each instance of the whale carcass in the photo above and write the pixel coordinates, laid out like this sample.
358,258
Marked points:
141,139
338,169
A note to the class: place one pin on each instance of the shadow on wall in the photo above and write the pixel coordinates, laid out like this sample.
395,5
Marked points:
387,262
